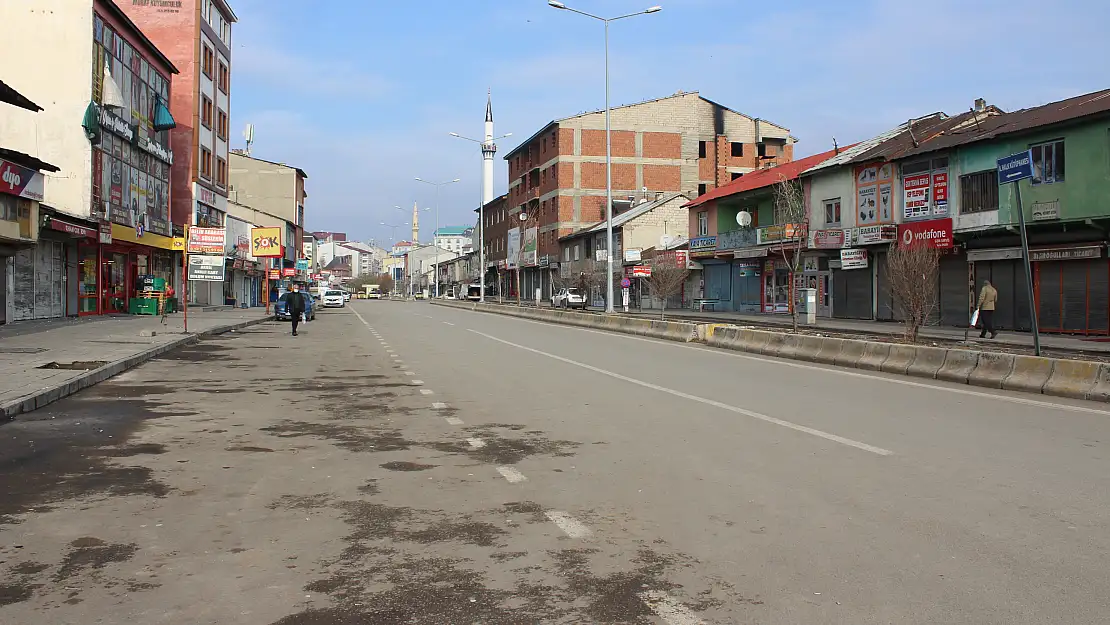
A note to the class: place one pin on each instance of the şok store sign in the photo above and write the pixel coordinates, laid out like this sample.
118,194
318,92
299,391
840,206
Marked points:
266,242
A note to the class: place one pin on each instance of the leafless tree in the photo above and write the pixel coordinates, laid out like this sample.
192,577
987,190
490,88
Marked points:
668,275
914,285
531,220
590,277
791,216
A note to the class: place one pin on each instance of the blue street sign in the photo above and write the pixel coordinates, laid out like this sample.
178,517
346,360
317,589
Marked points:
302,264
1015,167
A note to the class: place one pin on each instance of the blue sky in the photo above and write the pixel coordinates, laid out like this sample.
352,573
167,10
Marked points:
362,95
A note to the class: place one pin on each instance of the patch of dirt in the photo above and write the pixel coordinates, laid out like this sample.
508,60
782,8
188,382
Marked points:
502,451
369,488
407,466
116,390
92,553
135,450
351,438
250,448
29,568
203,351
296,502
526,507
15,593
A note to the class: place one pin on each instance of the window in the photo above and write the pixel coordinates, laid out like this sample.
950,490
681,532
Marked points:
577,251
545,144
736,175
223,77
206,111
566,254
221,172
979,192
832,212
738,149
207,60
702,149
205,163
1048,162
703,223
221,125
8,211
702,189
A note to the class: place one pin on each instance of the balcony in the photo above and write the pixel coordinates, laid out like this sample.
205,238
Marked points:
737,239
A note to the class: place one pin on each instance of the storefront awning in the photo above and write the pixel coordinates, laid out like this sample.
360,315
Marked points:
163,120
750,252
128,235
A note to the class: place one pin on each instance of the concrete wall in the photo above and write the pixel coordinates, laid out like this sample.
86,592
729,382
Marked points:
265,186
836,183
48,47
644,231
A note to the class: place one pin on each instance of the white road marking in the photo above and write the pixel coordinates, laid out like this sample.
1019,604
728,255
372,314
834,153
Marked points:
571,526
448,323
410,373
476,443
511,474
669,609
417,382
425,391
454,421
709,402
852,373
439,405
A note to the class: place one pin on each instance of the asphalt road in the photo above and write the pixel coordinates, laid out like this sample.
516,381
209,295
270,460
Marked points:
408,463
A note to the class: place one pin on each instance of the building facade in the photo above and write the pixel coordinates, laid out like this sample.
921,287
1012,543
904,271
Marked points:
454,238
276,189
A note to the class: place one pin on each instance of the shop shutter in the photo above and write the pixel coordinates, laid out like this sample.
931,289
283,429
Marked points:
1073,279
885,304
1003,278
953,302
717,282
23,291
1020,305
49,268
852,294
1050,313
1098,297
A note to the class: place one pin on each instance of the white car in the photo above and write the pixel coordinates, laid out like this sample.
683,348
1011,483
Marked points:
568,298
346,296
333,299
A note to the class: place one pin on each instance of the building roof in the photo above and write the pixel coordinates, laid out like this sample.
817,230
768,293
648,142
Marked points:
766,177
500,198
452,231
627,216
140,35
226,9
262,160
679,94
11,96
339,262
26,160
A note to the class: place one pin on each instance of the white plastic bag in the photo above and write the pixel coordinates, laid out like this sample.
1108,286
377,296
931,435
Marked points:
975,317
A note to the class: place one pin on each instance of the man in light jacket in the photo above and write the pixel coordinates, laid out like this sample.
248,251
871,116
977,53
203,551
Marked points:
988,299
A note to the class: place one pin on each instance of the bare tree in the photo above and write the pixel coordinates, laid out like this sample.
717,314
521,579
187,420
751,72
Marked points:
531,219
668,275
914,271
591,277
792,217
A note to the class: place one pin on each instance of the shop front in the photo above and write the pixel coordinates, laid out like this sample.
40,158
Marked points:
121,259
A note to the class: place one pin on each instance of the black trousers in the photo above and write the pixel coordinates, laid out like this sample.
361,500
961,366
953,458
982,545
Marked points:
296,319
986,320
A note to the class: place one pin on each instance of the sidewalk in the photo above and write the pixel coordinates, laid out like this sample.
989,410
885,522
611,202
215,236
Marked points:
101,346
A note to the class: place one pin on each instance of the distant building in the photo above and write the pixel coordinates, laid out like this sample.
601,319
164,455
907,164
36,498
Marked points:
276,188
327,237
454,238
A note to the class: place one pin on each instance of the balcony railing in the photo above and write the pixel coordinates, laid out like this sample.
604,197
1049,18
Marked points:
737,239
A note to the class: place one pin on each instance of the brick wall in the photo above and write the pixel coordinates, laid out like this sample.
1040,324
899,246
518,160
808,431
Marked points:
662,177
593,142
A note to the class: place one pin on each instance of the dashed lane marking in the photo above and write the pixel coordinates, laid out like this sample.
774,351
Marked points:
425,391
417,382
454,421
410,373
448,323
703,400
439,405
512,475
476,443
571,526
669,609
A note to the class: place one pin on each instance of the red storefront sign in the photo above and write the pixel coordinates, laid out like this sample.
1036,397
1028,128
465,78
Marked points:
207,240
289,272
828,239
274,274
940,188
21,182
641,271
935,233
74,229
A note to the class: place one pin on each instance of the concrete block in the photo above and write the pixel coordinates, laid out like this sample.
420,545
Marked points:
874,355
958,365
1101,389
808,346
1030,374
722,336
991,369
829,350
850,353
773,346
147,333
753,340
791,344
899,359
1073,378
927,362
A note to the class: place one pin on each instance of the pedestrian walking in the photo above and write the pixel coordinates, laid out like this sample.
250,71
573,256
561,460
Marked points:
295,306
988,299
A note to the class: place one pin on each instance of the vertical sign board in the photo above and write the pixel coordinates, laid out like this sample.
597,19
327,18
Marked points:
206,268
1014,168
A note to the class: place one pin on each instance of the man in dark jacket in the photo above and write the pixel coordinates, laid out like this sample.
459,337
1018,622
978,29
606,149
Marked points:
295,306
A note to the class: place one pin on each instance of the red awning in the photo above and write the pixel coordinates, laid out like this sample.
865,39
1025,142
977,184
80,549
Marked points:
74,229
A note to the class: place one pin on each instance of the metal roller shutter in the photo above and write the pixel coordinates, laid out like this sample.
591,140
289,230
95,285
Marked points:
1049,310
23,279
1073,280
953,291
885,304
717,278
1098,298
852,294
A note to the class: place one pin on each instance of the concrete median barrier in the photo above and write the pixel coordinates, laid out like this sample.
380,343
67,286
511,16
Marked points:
723,336
753,340
874,355
829,350
790,345
1030,373
927,362
958,364
773,346
991,369
850,353
899,359
808,346
1101,390
1073,378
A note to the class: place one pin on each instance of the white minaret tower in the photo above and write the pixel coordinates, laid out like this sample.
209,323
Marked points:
489,149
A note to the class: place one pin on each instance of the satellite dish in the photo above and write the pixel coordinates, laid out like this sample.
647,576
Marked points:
523,217
665,241
744,218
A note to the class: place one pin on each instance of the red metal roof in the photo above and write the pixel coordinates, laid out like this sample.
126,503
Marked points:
765,177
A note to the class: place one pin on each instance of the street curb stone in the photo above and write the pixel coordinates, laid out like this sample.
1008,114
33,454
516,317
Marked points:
33,401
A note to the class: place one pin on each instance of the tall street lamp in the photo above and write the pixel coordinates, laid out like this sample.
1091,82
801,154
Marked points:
393,230
435,232
608,141
487,145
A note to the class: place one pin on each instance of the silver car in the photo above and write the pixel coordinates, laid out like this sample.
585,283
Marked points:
568,298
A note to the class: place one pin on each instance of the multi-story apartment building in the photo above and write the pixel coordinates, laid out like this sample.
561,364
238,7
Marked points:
454,238
276,188
196,36
681,143
494,236
109,217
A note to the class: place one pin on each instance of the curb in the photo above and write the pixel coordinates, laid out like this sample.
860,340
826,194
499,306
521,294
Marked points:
1059,377
38,399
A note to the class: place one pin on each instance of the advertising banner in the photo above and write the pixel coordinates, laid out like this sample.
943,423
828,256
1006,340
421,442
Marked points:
266,242
512,249
206,268
827,239
531,236
641,271
935,233
20,181
207,241
917,196
853,259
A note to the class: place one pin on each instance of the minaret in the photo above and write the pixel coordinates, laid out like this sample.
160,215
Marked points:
489,149
415,224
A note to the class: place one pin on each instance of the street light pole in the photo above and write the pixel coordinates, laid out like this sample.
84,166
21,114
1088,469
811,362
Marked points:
608,144
487,145
435,233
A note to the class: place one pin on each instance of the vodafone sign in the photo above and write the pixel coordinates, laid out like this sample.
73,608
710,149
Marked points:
935,233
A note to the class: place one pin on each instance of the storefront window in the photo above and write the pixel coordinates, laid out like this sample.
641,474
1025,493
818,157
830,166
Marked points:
87,295
115,282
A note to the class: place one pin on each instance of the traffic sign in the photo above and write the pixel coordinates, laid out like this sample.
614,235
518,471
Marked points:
625,283
1015,167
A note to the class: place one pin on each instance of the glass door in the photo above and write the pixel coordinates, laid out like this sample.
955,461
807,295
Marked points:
88,262
114,281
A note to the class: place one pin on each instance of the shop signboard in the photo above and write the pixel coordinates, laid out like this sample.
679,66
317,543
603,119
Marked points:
288,272
940,193
74,229
302,264
853,259
737,239
935,234
633,255
206,268
105,234
916,196
1066,253
701,247
641,271
827,239
1043,211
682,259
782,233
20,181
274,274
206,240
266,242
871,235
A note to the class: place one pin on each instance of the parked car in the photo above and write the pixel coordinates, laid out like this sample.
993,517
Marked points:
346,296
568,298
281,310
333,299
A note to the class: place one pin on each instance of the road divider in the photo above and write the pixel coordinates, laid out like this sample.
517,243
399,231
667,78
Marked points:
1049,376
